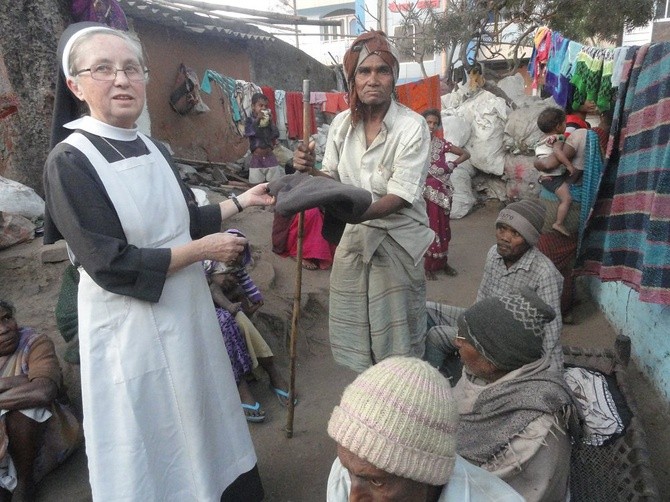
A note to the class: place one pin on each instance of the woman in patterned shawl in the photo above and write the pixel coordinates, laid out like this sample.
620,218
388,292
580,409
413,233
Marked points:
438,192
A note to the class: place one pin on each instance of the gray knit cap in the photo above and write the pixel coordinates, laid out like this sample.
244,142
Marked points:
526,217
507,330
399,415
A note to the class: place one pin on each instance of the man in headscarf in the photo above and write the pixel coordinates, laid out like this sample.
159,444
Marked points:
514,261
377,288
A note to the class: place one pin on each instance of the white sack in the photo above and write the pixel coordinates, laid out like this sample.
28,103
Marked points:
521,131
463,198
521,177
456,130
486,114
16,198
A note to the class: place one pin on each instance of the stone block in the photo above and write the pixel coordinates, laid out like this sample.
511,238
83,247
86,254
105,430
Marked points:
54,253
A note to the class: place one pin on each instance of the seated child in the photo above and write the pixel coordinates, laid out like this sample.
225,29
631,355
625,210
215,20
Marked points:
557,170
263,136
236,297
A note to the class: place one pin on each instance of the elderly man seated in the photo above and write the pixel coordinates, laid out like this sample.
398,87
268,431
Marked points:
36,431
511,263
395,429
516,416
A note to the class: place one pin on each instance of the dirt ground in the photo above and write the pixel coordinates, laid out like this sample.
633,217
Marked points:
296,469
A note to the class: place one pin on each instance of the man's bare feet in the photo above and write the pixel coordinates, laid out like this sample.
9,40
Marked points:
450,271
561,229
309,264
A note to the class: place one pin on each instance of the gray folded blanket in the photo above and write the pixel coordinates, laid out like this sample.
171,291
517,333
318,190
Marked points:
341,203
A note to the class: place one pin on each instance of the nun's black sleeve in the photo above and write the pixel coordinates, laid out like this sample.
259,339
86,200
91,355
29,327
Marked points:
79,210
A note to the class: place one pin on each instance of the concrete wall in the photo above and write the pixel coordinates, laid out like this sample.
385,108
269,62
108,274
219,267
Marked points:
281,66
645,323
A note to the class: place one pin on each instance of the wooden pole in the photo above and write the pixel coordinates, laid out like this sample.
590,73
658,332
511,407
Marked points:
306,133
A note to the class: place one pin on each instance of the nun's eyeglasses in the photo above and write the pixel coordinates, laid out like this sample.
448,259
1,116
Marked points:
107,73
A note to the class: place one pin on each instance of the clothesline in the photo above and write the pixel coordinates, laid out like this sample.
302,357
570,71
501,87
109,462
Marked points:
574,73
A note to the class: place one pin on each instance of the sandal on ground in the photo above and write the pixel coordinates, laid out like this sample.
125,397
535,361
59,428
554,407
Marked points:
253,412
309,264
282,396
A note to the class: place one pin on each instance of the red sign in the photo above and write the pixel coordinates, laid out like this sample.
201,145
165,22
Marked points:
421,4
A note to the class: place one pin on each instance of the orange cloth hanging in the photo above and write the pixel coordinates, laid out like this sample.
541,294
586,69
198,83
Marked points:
421,95
335,102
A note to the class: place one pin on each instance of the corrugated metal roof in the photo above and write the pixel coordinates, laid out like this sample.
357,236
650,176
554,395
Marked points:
171,15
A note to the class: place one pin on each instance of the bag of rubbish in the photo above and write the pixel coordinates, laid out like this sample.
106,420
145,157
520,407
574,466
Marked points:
16,198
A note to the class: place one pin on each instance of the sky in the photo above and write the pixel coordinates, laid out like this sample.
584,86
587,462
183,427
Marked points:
252,4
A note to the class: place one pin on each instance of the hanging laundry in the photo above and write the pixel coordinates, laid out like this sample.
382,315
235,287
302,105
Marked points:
280,106
570,58
539,57
227,85
628,236
606,91
269,93
554,82
185,98
420,96
589,81
317,98
336,102
294,115
617,69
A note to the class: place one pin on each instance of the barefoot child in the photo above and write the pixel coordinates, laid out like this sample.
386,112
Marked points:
557,170
263,136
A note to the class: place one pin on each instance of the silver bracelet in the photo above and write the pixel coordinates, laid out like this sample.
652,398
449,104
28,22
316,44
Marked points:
233,197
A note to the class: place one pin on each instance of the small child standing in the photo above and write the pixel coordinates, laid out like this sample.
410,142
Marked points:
557,170
263,136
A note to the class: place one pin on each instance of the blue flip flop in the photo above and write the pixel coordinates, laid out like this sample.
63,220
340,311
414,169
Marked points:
283,394
254,408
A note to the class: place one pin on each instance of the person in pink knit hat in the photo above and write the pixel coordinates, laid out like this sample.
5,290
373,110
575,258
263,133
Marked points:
395,429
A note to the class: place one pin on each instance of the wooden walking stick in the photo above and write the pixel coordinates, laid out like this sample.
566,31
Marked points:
306,133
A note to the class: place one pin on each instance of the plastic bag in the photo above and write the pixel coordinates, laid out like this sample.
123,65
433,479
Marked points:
185,98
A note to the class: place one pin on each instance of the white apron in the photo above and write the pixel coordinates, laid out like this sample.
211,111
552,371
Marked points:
162,415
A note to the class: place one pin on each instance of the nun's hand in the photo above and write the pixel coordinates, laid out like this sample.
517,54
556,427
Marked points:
222,247
256,196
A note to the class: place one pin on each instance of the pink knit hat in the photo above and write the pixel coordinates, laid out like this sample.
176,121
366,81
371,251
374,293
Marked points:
399,415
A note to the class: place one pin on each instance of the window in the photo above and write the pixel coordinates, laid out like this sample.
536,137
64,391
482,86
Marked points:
662,9
349,23
329,33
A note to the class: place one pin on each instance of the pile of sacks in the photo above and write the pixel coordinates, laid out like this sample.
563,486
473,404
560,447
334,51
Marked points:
500,140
